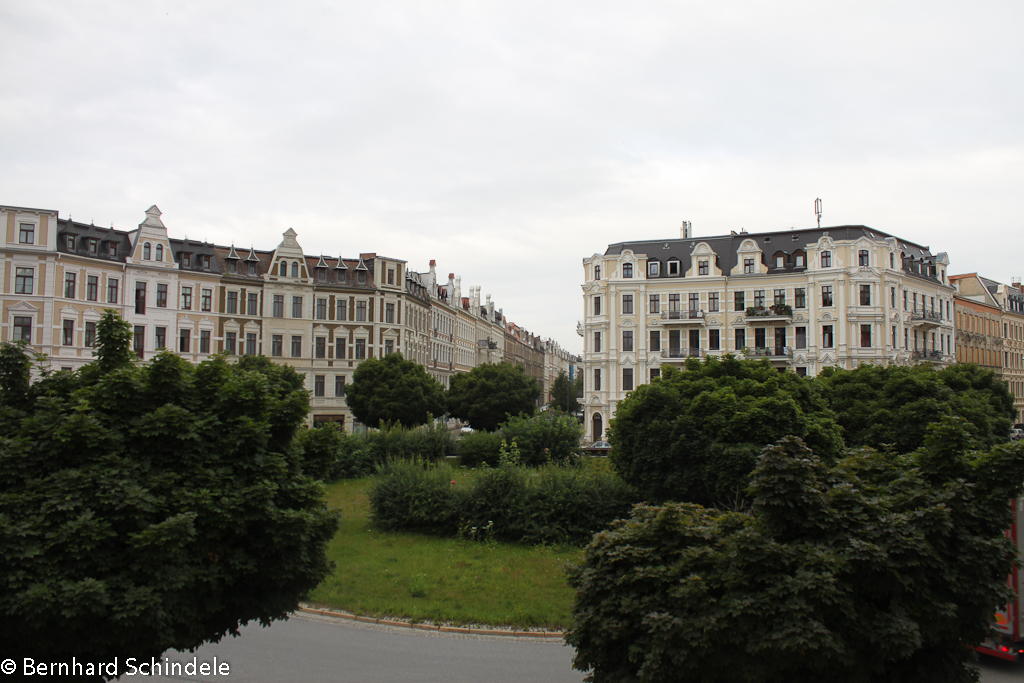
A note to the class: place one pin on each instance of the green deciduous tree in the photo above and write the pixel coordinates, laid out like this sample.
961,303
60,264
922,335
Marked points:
878,569
488,394
152,507
565,394
393,389
549,436
694,436
891,407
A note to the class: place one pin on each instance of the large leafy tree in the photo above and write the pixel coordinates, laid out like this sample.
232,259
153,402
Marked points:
489,394
877,569
694,436
151,507
891,407
393,389
565,392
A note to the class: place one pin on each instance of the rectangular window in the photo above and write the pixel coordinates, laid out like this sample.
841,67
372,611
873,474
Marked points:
296,306
186,298
655,340
23,329
597,379
90,334
112,249
68,336
321,309
24,281
140,298
139,339
654,304
862,257
780,261
674,302
906,338
627,340
741,339
693,301
655,372
320,347
27,233
204,341
892,298
713,302
758,298
673,267
229,343
339,351
161,337
188,259
161,296
206,262
653,268
798,260
277,345
185,341
389,313
232,303
904,299
207,299
296,347
253,307
780,297
360,349
702,267
93,245
826,295
597,305
759,338
342,309
71,242
748,265
627,304
826,259
69,285
627,379
111,290
865,295
739,301
597,272
714,339
597,341
391,276
894,336
865,336
339,385
278,305
826,337
318,385
250,343
801,337
800,297
360,311
92,287
627,270
389,346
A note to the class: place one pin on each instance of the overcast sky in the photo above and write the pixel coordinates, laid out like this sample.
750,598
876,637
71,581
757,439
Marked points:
509,141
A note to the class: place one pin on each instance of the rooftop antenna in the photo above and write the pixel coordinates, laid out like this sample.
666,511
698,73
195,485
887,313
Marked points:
817,210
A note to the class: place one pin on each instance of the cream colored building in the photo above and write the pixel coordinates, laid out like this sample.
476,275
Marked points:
802,300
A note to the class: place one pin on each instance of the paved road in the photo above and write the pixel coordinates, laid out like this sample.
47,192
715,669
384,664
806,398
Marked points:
313,649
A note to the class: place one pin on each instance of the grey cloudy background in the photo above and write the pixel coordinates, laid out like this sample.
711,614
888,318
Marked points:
510,140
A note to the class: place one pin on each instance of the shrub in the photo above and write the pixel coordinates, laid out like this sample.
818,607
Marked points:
479,448
428,442
414,495
548,437
497,496
328,453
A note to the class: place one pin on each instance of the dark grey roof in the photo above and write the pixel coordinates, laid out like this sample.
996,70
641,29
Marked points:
197,250
83,233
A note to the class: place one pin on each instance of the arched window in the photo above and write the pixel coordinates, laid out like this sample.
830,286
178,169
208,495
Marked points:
145,251
598,427
284,269
159,252
295,269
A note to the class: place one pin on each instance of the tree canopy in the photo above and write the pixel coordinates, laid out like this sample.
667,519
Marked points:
881,568
891,407
394,390
565,394
694,436
488,394
147,507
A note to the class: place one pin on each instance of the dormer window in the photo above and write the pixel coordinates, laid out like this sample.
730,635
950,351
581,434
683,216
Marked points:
597,272
282,269
673,267
186,259
112,249
71,242
321,275
252,269
799,259
627,270
93,245
748,265
863,258
361,277
27,233
702,267
295,269
826,259
653,268
146,251
780,261
231,266
159,252
206,262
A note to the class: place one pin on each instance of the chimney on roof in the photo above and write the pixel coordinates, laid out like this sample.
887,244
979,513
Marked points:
685,230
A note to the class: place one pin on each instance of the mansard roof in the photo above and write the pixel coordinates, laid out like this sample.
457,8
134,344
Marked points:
83,233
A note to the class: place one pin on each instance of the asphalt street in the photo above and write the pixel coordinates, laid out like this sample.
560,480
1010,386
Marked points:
312,649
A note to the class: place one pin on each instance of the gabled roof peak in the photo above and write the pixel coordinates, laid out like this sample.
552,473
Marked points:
252,255
233,254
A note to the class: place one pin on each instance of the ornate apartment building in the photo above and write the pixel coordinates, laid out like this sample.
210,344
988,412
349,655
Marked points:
319,314
802,300
990,329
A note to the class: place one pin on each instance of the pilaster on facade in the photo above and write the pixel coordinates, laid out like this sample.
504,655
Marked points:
801,300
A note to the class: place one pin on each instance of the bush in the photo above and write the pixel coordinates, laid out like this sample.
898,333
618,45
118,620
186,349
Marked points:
329,454
548,437
428,442
479,448
413,495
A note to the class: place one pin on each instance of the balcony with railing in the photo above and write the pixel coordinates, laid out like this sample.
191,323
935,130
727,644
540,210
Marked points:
762,314
681,354
775,354
688,317
929,355
923,318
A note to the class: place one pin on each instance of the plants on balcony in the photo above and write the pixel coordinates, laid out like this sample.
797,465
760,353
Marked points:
782,309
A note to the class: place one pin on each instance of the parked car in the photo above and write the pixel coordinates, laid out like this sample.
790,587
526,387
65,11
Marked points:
466,429
1016,434
598,448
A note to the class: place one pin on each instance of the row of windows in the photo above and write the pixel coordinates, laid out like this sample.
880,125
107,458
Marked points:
320,385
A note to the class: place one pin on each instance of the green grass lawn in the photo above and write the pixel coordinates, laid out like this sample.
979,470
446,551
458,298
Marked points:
439,579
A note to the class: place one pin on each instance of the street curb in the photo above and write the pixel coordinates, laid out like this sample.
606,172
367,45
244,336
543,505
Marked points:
464,630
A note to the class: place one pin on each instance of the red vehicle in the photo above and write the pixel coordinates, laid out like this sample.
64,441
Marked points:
1009,621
